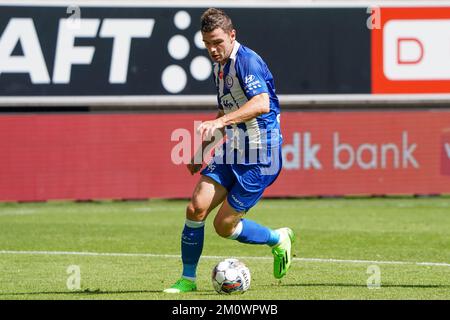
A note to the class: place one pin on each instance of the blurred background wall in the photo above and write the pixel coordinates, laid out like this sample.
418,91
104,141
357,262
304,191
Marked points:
92,92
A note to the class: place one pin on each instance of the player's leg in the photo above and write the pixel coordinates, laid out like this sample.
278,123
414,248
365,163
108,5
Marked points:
207,195
242,196
229,223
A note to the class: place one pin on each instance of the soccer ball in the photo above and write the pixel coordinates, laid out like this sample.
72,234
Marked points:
231,276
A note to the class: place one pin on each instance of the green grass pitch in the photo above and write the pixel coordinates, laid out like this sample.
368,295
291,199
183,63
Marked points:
131,250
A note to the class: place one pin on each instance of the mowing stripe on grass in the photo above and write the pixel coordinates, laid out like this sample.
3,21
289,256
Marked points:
17,212
154,255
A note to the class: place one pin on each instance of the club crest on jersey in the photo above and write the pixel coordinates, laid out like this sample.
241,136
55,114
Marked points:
229,81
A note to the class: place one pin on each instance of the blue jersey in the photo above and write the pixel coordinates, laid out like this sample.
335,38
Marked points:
244,76
235,166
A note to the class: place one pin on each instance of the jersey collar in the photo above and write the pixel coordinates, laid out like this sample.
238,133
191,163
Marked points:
235,50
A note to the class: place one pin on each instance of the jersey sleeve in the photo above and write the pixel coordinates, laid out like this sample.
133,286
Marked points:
251,72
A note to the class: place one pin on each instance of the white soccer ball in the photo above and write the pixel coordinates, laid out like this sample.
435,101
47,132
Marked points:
231,276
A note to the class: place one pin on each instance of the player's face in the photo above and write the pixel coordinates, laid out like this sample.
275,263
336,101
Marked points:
219,43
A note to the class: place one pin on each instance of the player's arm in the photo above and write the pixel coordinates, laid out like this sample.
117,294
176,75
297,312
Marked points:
256,106
194,167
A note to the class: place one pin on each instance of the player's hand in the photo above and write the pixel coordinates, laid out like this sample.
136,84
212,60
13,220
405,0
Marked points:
207,128
194,167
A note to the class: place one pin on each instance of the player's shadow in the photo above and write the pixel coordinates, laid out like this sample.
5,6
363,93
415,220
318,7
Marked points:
87,292
355,285
90,292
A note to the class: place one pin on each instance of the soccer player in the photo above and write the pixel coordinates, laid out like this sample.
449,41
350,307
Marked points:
237,175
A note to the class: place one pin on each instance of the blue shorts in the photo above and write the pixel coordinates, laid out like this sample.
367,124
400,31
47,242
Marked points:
245,183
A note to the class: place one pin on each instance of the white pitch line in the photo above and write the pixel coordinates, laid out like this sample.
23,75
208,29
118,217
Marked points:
154,255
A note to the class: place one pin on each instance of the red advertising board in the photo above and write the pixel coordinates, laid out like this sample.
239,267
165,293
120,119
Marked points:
367,153
129,156
410,50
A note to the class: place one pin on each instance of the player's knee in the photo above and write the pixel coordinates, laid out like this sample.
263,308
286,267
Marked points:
223,228
195,212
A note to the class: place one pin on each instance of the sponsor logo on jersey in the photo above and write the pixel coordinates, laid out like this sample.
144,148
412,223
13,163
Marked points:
249,78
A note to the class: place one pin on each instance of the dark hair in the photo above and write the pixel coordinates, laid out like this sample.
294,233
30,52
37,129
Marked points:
215,18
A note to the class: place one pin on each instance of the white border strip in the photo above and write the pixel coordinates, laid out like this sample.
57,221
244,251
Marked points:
206,100
156,100
227,4
151,255
210,100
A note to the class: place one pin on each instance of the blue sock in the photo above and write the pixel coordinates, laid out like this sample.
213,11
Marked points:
191,247
248,231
